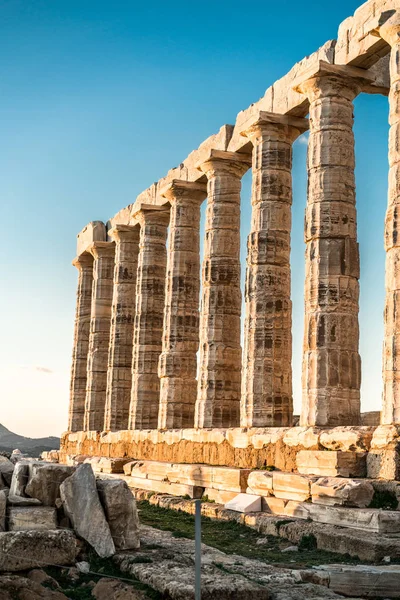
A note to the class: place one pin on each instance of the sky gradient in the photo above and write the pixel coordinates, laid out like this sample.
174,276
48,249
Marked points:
99,100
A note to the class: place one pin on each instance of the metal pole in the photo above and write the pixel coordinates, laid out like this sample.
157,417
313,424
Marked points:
197,585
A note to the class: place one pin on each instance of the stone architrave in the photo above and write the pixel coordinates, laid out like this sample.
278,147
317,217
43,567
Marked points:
218,398
84,264
102,292
331,362
178,360
390,32
150,296
119,374
267,355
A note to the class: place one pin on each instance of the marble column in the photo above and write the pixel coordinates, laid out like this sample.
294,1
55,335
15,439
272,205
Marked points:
102,292
390,32
119,375
267,354
84,264
150,295
331,361
218,398
178,361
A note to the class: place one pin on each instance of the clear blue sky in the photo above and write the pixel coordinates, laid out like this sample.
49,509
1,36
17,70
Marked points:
98,100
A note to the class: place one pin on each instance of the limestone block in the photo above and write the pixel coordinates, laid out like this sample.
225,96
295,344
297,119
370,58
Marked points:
367,581
95,231
127,468
335,491
290,486
219,496
260,483
273,505
383,464
347,439
112,465
19,550
45,480
384,436
19,479
166,487
82,506
6,470
245,503
3,508
31,518
121,513
304,437
371,418
331,463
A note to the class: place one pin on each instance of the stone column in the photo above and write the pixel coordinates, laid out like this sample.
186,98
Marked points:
218,399
331,362
150,295
84,264
103,269
178,361
390,32
119,375
267,361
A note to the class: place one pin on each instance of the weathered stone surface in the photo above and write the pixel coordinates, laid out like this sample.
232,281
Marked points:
331,363
119,372
290,486
31,518
19,479
76,414
82,506
368,581
102,291
165,487
13,587
304,437
178,360
331,464
6,470
44,483
384,463
21,550
22,501
150,297
121,513
108,589
3,510
335,491
347,439
219,381
267,376
110,465
260,483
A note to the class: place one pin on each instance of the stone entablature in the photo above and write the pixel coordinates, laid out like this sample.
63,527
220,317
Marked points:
139,320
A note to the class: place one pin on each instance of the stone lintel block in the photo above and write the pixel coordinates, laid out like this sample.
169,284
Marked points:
95,231
323,68
336,491
331,463
224,155
32,518
245,503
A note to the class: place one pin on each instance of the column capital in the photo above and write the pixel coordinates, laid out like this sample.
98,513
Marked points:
268,123
83,260
179,189
151,213
218,161
101,249
326,79
125,232
390,29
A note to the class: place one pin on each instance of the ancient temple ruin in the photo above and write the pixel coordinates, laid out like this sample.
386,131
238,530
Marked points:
160,373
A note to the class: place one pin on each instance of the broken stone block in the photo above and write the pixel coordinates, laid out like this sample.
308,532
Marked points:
121,513
20,550
302,437
334,491
347,439
6,469
245,503
19,479
364,580
31,518
82,506
331,463
290,486
3,510
384,463
113,465
128,467
260,483
45,480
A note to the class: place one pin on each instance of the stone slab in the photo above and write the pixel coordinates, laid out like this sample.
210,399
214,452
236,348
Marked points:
32,518
164,487
368,581
245,503
21,550
331,463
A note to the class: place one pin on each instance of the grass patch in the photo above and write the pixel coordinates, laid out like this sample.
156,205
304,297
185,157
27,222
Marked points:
233,538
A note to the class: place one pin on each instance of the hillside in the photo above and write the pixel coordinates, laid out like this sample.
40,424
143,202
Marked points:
9,441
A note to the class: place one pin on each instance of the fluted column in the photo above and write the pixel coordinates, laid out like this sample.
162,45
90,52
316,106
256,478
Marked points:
178,361
84,264
331,362
102,292
267,354
119,375
391,345
150,295
218,399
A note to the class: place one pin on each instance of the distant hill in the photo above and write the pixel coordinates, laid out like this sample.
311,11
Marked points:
9,441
